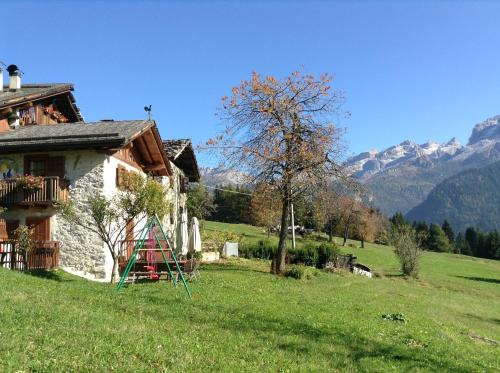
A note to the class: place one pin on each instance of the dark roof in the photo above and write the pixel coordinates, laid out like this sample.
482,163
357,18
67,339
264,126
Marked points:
33,92
180,152
108,134
174,148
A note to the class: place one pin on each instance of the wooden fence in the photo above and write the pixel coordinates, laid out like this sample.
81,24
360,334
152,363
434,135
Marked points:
43,255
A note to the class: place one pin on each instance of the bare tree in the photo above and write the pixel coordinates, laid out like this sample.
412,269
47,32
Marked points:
281,133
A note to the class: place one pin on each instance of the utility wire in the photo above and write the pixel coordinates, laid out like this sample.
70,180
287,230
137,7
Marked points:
228,190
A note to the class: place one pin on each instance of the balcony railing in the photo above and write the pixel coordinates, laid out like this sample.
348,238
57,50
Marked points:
155,256
43,255
52,190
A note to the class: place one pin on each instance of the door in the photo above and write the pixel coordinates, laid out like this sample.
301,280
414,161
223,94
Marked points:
41,228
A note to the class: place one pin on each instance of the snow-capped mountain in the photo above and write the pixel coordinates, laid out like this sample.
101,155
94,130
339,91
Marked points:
213,176
401,176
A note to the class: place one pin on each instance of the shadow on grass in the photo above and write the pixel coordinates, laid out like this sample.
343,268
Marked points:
484,319
47,275
322,342
482,279
394,275
231,267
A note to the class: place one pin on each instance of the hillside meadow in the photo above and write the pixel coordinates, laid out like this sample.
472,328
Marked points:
241,318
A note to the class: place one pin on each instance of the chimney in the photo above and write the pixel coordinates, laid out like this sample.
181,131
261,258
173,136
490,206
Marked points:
14,77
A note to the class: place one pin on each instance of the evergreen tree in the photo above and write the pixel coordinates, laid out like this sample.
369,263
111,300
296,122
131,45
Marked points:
448,230
232,204
438,241
493,245
422,231
398,220
462,246
472,239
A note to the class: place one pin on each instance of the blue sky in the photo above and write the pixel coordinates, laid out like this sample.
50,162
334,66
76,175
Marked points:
409,70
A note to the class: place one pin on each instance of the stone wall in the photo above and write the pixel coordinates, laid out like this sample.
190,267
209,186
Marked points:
82,251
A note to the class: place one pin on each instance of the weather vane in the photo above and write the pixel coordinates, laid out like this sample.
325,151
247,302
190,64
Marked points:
147,109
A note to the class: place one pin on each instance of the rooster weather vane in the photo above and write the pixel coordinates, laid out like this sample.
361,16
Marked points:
147,109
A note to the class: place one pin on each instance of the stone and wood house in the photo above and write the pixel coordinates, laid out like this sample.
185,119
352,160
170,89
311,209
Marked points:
42,134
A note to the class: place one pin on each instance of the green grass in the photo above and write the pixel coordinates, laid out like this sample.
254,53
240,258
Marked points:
251,233
242,318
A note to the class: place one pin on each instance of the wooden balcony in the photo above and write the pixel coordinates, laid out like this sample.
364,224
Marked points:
53,190
43,255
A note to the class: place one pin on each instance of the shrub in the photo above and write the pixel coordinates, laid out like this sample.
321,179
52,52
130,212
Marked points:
326,253
296,272
263,249
407,248
308,255
300,272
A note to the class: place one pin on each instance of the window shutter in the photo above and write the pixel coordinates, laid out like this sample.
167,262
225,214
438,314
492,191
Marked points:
120,172
55,166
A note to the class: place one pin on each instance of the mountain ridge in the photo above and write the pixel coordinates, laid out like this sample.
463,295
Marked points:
401,176
466,199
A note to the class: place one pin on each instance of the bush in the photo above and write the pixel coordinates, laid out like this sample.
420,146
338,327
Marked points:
296,272
326,253
263,249
300,272
407,248
307,255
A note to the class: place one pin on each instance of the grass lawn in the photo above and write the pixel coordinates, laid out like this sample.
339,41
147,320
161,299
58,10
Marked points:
242,318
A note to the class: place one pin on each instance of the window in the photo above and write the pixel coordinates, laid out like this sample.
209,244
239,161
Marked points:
37,167
123,177
44,165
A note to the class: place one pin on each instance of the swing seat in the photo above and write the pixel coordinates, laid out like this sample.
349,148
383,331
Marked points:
150,268
154,276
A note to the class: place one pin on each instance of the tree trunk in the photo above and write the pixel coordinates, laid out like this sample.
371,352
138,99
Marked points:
346,232
330,233
268,232
114,273
362,243
278,264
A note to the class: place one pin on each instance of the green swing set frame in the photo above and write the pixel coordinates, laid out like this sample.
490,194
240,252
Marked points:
139,246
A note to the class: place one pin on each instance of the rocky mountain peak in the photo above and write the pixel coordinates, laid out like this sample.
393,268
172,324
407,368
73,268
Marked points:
486,130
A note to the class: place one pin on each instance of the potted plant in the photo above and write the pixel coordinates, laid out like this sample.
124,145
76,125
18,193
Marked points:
29,182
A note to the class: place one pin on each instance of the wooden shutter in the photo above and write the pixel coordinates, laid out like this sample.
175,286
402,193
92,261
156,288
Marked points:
3,230
7,228
41,228
120,172
55,166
